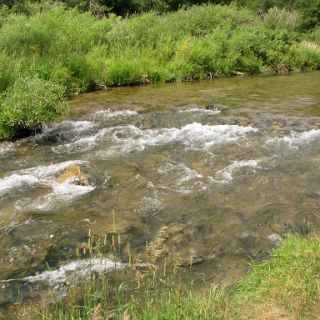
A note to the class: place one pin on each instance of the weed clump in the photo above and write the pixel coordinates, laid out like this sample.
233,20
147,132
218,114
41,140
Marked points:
29,103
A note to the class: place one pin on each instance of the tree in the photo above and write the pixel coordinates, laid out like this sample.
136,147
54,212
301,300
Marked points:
310,13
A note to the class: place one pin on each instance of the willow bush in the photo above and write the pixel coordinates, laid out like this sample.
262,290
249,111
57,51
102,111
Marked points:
29,103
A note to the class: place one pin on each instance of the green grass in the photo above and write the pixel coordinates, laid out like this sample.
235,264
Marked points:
77,52
289,281
286,286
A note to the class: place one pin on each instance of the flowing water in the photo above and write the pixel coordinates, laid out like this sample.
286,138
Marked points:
219,171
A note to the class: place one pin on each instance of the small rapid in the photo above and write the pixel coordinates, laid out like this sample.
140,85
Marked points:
226,168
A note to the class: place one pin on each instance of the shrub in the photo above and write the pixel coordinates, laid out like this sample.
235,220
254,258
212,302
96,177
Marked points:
277,18
55,44
204,57
29,103
77,52
306,56
310,14
315,35
133,66
8,71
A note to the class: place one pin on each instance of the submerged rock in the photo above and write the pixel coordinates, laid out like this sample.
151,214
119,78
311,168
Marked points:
177,242
212,107
275,238
20,254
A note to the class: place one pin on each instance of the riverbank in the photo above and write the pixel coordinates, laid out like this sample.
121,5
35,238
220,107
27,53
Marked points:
286,286
58,52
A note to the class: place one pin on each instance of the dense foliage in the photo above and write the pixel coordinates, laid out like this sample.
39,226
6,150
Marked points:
28,103
309,9
73,50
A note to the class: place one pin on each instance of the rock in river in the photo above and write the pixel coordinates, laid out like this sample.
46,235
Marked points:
73,175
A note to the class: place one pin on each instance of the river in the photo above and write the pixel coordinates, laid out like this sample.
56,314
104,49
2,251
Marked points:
218,171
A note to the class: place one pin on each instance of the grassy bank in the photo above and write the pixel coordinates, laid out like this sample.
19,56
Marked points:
74,52
286,286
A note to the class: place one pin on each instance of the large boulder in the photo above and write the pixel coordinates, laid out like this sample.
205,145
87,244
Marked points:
73,175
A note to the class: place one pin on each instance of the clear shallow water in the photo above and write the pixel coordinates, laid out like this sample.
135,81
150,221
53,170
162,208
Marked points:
225,182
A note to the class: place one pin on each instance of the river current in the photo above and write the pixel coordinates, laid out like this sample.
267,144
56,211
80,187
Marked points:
220,171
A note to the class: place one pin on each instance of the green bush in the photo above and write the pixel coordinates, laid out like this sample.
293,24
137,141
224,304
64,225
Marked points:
75,50
55,44
310,14
8,71
277,18
315,35
204,57
78,52
306,56
28,104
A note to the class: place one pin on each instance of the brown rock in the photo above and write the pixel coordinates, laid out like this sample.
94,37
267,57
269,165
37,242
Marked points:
73,175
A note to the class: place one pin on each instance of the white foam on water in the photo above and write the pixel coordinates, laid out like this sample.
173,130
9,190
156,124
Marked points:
49,171
110,114
42,175
183,172
185,178
173,189
6,147
199,136
76,269
14,181
82,144
204,111
74,126
67,191
151,204
60,194
195,136
77,126
294,140
225,175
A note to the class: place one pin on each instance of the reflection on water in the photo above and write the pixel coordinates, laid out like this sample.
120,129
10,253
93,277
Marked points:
228,167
